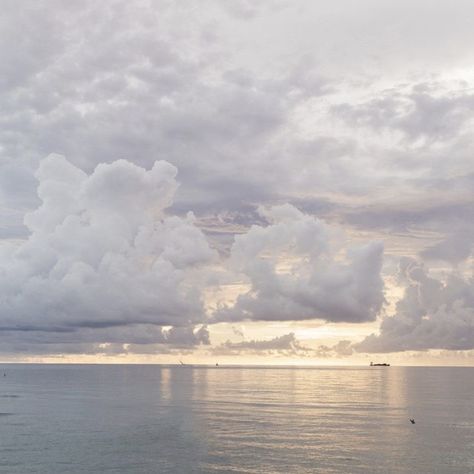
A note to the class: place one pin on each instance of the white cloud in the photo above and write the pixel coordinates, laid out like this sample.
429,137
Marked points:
103,254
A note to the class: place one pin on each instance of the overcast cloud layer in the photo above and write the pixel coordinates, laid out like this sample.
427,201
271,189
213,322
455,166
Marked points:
292,128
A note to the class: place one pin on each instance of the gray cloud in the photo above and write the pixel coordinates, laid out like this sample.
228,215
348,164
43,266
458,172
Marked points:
315,283
340,349
353,112
244,125
424,112
117,80
432,314
455,248
282,345
124,339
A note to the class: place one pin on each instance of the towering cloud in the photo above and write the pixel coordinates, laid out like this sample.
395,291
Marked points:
103,254
433,314
295,272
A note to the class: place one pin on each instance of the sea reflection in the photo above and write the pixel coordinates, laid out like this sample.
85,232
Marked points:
326,420
142,419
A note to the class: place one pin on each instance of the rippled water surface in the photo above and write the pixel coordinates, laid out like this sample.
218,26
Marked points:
147,419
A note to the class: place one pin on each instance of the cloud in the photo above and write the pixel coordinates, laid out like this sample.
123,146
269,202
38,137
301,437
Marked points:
294,274
103,254
238,331
440,226
424,112
145,80
433,314
371,130
341,349
120,340
456,247
287,345
282,345
104,263
131,80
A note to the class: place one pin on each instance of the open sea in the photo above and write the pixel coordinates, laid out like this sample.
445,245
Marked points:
157,419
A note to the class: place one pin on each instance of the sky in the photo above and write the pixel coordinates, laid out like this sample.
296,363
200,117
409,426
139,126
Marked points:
237,181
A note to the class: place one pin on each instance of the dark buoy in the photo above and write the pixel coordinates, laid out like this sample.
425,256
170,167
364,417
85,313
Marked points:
412,421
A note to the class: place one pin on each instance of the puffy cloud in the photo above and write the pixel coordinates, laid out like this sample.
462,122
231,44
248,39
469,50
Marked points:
295,274
433,314
102,253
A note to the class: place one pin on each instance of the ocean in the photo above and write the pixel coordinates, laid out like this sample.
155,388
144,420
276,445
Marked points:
157,419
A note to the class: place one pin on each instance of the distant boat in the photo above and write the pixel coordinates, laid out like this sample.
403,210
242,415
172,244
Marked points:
379,365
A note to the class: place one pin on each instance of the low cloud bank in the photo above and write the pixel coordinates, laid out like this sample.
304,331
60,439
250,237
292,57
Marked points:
281,345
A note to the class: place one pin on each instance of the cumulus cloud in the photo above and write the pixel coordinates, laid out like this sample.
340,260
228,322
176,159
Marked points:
433,314
102,253
294,272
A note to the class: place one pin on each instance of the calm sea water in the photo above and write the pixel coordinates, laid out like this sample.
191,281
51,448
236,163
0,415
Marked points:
152,419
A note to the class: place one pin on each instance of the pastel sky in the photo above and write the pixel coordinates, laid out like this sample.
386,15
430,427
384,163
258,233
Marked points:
237,181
